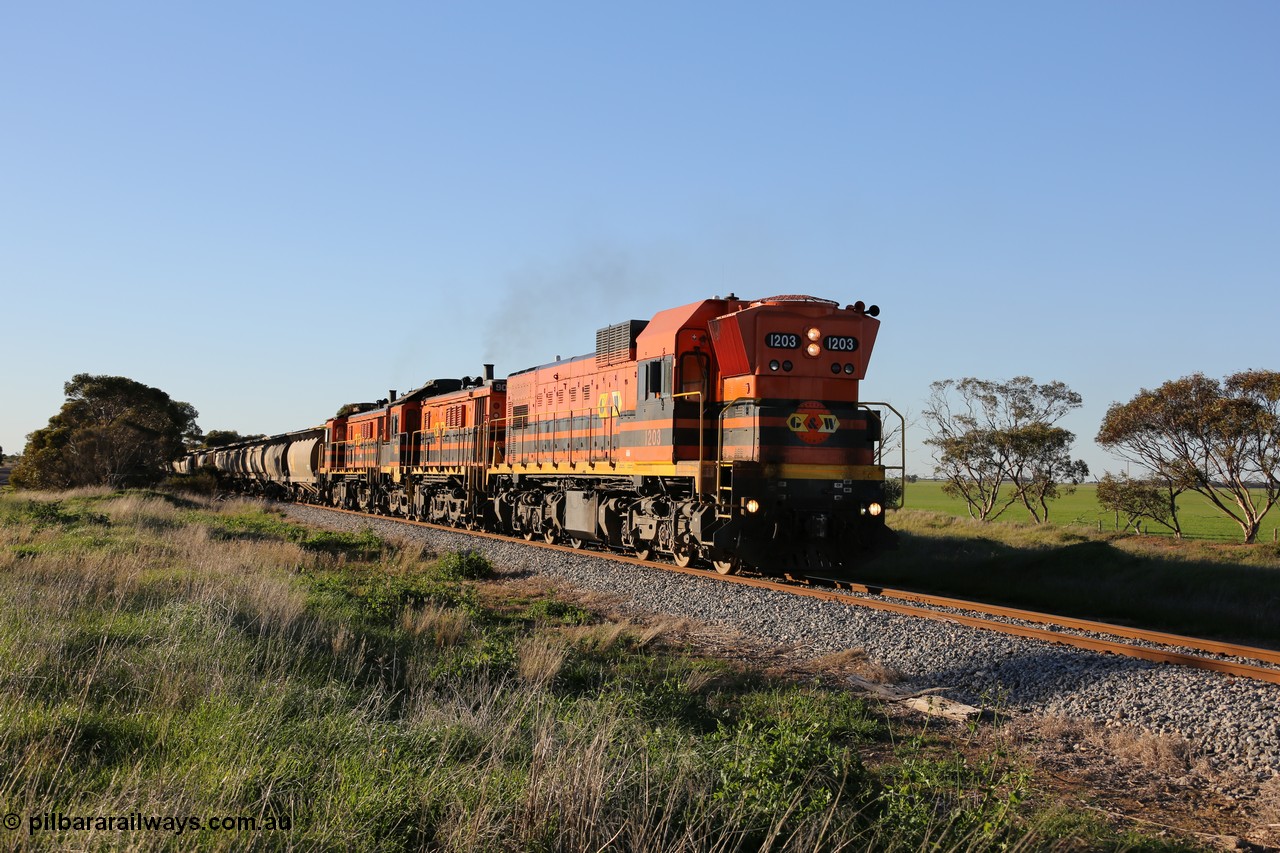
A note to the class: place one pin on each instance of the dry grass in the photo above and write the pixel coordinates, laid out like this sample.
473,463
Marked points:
666,627
600,637
1161,753
855,662
1165,754
445,626
541,658
1267,816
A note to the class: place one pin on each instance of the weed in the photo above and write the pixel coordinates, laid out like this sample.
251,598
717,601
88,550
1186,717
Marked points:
928,800
553,610
463,565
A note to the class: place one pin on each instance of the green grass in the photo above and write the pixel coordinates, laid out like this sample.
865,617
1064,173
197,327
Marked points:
1178,589
165,657
1199,518
1208,584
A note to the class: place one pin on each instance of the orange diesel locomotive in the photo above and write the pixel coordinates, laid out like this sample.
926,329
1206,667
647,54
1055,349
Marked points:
727,430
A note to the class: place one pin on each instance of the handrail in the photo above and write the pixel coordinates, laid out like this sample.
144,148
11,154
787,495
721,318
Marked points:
902,446
548,424
720,439
697,486
350,453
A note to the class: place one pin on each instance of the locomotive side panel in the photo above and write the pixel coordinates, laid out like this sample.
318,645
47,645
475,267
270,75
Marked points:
568,414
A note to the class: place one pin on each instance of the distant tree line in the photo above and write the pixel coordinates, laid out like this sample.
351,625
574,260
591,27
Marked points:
225,438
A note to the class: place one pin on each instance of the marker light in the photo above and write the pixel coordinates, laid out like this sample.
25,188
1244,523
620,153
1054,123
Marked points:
835,367
773,365
848,368
753,505
812,350
813,334
787,365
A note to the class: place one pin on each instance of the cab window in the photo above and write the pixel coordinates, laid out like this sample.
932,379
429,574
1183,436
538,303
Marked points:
694,368
655,378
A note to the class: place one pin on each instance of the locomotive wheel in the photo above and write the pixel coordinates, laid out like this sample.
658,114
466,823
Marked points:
549,536
727,567
575,543
682,555
528,535
644,553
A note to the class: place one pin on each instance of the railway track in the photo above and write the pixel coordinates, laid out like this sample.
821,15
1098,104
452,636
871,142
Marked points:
1229,659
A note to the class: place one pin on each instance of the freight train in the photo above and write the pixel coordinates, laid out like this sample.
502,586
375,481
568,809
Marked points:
726,431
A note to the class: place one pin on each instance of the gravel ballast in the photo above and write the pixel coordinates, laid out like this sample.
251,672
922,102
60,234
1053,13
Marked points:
1235,723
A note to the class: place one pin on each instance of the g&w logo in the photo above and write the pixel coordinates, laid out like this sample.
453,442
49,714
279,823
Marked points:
812,422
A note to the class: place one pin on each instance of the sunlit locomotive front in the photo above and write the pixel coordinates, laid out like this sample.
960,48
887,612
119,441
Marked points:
800,453
727,430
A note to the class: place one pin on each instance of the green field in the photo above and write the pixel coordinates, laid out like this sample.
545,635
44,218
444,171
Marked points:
1199,518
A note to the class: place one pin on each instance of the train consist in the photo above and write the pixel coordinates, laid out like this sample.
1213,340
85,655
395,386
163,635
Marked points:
728,431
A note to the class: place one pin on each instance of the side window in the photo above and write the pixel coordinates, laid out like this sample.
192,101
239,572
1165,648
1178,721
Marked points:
656,376
653,379
694,367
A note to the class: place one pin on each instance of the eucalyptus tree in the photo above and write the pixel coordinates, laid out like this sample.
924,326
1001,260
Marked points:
1137,498
998,443
110,431
1218,438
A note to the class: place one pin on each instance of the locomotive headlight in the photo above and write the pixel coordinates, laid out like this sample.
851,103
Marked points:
753,505
813,334
812,350
874,509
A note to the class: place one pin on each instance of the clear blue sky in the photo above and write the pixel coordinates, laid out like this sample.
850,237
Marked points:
271,209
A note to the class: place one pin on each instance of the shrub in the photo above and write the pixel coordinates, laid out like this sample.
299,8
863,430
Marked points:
463,565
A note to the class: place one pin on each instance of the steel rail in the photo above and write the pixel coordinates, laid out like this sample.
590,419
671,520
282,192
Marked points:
1226,667
1197,643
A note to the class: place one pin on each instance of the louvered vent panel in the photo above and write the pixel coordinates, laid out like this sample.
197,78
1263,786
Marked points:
617,343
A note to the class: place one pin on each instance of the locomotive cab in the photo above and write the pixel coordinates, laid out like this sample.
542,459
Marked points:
799,479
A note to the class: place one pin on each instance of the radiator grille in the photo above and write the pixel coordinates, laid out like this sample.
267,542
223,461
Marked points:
617,343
